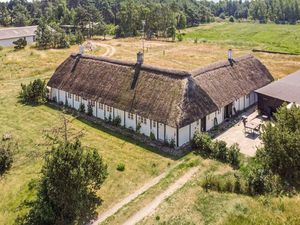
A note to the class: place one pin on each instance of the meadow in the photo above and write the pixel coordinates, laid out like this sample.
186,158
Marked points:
273,37
190,205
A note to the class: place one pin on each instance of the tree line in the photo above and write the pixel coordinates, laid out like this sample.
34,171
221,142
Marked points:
278,11
95,15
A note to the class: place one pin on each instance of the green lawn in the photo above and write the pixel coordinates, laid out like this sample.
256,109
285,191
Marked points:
26,124
284,38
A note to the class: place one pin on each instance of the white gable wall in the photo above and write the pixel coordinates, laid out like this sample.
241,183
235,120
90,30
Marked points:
9,42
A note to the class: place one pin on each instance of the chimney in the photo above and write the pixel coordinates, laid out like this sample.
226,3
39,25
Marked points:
229,54
81,50
230,58
140,58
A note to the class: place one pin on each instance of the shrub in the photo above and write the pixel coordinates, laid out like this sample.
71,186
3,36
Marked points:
233,156
117,121
231,19
203,144
1,48
179,37
172,143
152,136
20,44
121,167
82,108
34,93
220,150
90,110
6,156
138,127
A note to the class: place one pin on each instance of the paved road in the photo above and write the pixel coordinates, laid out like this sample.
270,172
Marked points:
150,208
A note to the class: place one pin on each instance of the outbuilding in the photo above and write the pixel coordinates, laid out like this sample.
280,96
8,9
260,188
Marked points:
9,35
285,90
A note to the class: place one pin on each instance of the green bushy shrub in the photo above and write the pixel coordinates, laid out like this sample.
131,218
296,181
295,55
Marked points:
90,110
121,167
202,143
34,93
82,108
152,136
117,121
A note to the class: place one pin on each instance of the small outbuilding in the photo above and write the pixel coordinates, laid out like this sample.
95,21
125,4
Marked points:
9,35
272,96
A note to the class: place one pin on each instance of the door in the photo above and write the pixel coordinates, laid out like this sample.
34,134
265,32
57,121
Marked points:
228,111
203,124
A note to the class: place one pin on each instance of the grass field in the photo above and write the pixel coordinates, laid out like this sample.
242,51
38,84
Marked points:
191,205
284,38
26,124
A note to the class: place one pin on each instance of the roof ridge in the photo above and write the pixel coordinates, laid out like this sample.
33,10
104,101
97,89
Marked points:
13,28
218,65
172,72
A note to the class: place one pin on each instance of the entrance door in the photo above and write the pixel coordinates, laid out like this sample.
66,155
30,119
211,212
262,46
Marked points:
203,124
228,111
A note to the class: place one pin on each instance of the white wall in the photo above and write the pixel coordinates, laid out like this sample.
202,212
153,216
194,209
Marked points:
9,42
160,130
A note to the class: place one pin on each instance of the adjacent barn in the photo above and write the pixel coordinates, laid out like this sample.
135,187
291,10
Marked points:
9,35
275,94
168,104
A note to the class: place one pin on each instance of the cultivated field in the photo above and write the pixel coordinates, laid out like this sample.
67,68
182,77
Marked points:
26,123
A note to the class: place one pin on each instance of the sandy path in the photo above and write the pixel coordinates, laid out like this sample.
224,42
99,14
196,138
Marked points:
150,208
110,50
111,211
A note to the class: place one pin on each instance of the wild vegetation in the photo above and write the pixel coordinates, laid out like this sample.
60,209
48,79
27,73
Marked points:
282,38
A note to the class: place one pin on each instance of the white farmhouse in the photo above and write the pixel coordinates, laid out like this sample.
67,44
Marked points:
9,35
170,104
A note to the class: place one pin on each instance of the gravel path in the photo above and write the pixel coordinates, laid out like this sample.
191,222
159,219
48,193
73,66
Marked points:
150,208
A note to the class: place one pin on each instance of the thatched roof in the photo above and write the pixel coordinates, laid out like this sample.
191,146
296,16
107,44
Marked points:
172,97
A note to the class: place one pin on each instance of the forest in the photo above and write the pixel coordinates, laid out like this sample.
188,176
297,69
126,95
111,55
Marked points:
124,17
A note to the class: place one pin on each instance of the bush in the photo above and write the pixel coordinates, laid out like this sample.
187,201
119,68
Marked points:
172,143
6,156
138,127
117,121
121,167
231,19
152,136
179,37
220,150
34,93
82,108
1,48
90,110
203,144
20,43
233,156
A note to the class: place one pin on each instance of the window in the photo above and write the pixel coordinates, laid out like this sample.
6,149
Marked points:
77,98
130,116
101,106
154,124
248,96
143,120
197,122
109,109
219,111
92,103
69,95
